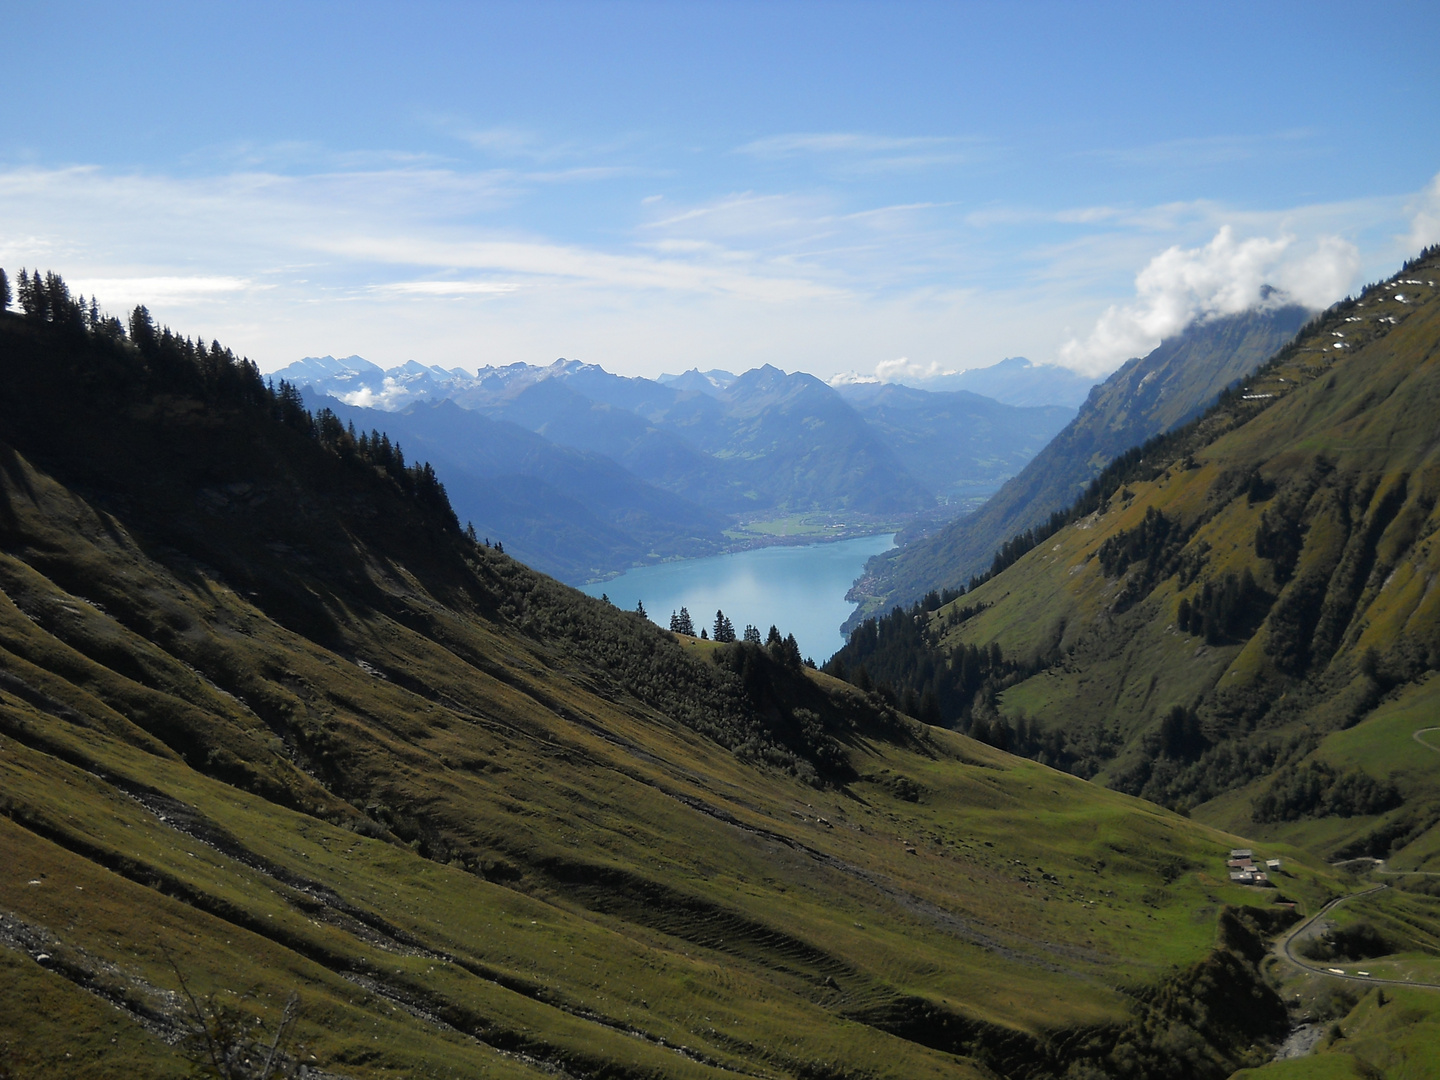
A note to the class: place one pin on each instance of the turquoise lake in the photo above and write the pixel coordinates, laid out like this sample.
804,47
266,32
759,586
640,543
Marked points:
799,589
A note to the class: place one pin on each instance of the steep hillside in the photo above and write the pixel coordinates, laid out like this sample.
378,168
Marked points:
799,446
576,515
1239,619
1145,397
270,722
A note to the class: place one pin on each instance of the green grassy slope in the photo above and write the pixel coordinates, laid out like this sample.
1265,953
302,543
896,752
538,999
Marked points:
1242,623
1148,395
1246,625
1318,482
265,714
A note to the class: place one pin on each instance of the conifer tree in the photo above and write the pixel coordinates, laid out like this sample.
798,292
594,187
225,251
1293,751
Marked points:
142,332
724,628
31,294
4,291
790,652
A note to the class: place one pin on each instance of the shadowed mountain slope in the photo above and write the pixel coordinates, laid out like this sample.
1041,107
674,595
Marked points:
576,515
268,718
1145,397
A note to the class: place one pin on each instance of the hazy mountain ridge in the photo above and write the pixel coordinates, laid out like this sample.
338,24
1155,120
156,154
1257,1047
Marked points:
1144,397
944,435
1012,381
569,513
271,719
758,446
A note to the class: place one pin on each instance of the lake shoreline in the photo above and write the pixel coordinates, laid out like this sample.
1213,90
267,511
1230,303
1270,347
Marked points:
757,544
798,586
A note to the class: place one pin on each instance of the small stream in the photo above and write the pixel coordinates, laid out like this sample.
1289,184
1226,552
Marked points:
1300,1042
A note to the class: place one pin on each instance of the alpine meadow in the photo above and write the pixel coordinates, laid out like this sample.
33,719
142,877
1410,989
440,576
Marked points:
556,541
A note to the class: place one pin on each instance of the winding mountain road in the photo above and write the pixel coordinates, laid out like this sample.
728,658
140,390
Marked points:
1285,946
1285,949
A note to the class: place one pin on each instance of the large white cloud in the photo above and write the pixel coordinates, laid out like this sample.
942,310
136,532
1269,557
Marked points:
1226,276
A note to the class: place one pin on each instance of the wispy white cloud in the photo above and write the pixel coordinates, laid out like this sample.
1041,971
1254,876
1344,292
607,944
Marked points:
125,292
903,367
446,288
505,142
515,144
859,152
1003,216
542,261
842,143
898,370
581,174
852,378
458,266
743,212
1203,151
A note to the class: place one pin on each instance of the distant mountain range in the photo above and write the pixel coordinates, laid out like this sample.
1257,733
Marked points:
1014,380
583,473
1144,397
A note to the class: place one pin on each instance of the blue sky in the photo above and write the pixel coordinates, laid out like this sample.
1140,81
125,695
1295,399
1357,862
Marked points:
828,187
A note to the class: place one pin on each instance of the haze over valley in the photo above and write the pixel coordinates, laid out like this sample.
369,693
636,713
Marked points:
610,472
